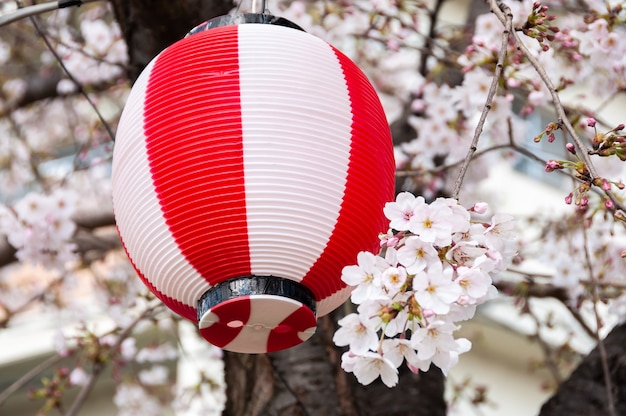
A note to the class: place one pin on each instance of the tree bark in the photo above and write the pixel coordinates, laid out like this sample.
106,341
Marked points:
149,26
584,393
308,380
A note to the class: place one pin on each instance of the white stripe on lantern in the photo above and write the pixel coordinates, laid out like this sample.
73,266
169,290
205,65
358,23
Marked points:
145,234
294,195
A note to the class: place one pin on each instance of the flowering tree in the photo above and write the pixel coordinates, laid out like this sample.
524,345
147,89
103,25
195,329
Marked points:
458,88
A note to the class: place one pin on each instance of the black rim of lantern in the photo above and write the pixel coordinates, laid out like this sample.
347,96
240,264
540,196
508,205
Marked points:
251,285
255,285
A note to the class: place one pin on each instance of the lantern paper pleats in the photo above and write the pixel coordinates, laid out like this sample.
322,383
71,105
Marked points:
252,163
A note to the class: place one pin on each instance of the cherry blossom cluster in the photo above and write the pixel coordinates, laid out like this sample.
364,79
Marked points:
579,253
40,228
611,143
435,266
95,54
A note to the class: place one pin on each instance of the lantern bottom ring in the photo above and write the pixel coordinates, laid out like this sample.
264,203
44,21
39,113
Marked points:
257,314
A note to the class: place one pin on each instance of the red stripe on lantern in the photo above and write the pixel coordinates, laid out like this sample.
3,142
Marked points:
196,159
371,162
286,334
232,317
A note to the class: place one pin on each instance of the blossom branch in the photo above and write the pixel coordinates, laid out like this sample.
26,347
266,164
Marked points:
483,115
610,403
433,16
549,360
72,78
28,376
531,288
44,86
502,11
86,221
35,298
98,367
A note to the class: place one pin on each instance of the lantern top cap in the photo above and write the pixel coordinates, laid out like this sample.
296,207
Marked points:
243,18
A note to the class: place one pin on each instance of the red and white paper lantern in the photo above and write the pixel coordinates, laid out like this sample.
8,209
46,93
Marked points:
251,164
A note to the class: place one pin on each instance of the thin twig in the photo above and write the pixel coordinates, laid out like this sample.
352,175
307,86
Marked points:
502,11
547,350
610,403
497,8
433,16
483,115
86,389
80,88
36,297
27,377
99,366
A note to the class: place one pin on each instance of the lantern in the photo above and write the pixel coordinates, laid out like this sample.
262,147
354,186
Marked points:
251,164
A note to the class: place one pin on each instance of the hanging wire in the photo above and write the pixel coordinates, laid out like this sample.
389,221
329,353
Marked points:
36,9
256,8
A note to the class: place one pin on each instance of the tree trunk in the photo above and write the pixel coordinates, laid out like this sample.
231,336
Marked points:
584,393
149,26
308,380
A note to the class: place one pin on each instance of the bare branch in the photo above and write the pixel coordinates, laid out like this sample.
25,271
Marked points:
28,376
483,115
604,361
44,86
86,221
99,367
67,72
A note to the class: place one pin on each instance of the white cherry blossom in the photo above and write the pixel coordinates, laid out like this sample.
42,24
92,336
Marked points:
393,279
366,276
435,289
474,283
369,366
431,224
354,332
401,211
397,350
416,254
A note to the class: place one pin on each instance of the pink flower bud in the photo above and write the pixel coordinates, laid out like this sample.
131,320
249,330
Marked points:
608,204
414,370
568,199
480,207
584,201
591,122
428,313
606,185
552,165
571,148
